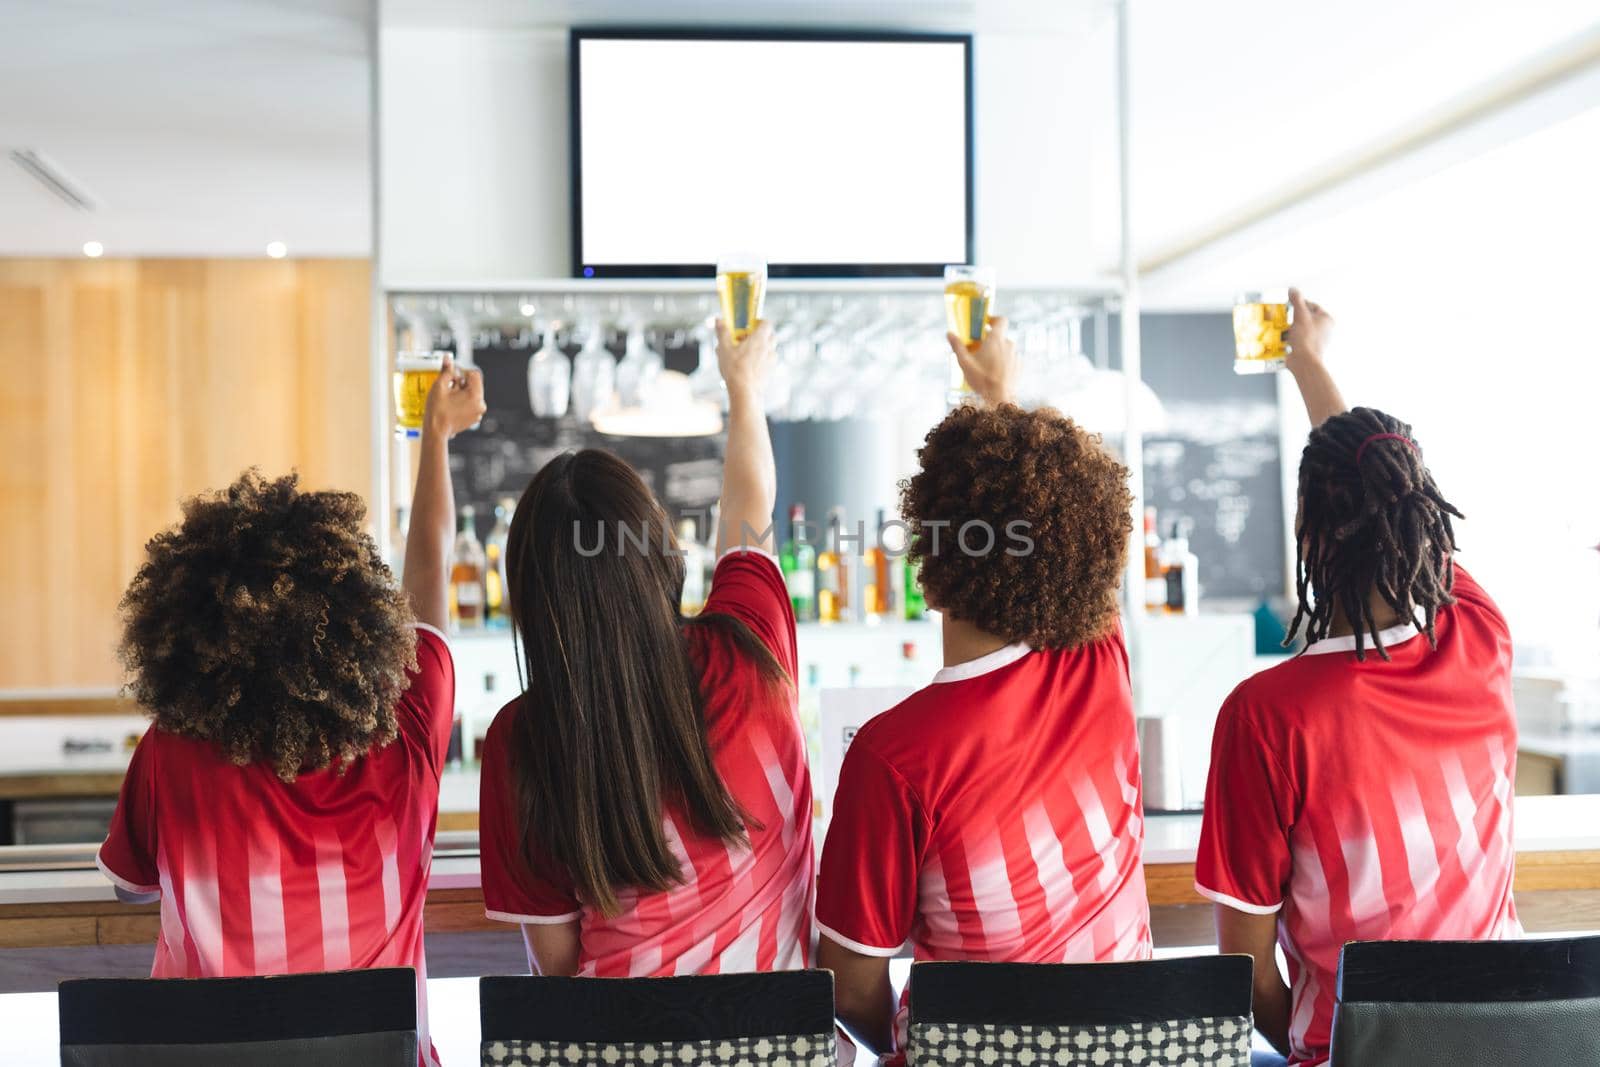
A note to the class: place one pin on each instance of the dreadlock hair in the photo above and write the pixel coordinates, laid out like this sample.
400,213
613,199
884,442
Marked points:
1370,518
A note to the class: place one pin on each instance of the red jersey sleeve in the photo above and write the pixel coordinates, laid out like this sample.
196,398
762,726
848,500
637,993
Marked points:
749,586
128,856
513,891
1471,598
428,706
1244,859
867,889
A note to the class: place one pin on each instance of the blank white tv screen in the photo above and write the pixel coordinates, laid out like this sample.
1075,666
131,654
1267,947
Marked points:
824,156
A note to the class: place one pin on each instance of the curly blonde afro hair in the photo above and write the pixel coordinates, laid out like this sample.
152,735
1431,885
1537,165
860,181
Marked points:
1004,466
267,623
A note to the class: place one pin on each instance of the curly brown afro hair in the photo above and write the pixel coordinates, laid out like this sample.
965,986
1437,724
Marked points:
1002,466
267,623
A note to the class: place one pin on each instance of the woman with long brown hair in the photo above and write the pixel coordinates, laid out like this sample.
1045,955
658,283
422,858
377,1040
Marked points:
646,805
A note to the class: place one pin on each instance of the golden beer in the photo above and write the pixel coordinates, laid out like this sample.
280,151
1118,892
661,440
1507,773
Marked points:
414,375
742,288
967,306
1259,320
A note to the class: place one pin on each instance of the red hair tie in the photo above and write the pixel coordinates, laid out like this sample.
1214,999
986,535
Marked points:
1384,437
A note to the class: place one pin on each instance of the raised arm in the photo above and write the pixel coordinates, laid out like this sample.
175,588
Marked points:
1308,337
455,403
991,368
749,474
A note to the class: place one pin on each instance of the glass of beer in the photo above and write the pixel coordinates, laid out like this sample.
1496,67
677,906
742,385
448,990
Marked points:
1259,319
742,287
968,302
414,375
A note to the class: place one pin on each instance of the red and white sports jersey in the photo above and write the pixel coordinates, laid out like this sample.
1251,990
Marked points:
259,876
739,909
995,815
1368,800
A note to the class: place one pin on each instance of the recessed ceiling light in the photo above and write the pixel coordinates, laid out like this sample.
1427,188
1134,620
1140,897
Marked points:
277,249
526,307
93,249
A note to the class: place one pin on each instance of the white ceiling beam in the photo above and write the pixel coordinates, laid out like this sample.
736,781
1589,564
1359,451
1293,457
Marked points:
1557,84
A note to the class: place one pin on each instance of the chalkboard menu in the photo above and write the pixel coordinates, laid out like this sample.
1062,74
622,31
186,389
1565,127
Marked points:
1217,462
501,457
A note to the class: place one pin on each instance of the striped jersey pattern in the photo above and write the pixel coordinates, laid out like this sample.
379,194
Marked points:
995,815
739,908
259,877
1368,800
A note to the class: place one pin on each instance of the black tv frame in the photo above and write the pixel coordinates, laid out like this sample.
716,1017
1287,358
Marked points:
580,269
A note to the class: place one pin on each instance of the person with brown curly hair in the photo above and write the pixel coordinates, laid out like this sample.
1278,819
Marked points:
995,814
1362,790
282,804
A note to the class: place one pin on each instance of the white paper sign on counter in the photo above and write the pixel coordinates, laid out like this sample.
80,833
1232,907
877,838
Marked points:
841,713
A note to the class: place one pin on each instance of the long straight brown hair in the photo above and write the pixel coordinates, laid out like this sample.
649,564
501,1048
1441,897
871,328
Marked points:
612,725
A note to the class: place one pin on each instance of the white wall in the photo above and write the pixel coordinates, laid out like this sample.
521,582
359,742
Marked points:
1464,303
473,162
474,179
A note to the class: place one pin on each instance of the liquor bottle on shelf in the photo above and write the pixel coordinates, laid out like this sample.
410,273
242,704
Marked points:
477,724
694,569
909,673
1182,569
798,561
466,573
916,604
833,573
494,574
877,601
1155,579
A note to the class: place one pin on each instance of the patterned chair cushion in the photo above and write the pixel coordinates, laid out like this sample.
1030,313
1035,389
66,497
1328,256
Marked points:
815,1050
1213,1042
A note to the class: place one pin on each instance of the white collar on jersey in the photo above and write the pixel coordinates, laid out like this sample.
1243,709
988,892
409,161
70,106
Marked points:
1394,635
1000,657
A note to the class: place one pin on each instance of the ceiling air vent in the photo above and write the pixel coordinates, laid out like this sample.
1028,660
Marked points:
49,175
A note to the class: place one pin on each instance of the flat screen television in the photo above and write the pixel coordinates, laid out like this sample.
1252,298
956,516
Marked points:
828,154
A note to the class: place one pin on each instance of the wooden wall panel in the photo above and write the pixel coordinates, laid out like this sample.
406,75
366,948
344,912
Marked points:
131,384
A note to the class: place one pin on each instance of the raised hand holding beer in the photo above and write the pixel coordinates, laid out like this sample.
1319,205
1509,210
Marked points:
1308,335
990,366
1308,338
742,289
455,401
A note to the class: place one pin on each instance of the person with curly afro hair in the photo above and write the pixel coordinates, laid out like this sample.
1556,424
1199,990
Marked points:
281,807
996,814
1369,779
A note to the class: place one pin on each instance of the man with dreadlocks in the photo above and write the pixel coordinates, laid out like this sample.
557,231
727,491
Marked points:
1362,790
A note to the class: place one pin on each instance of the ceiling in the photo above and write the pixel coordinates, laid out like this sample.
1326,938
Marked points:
201,127
212,127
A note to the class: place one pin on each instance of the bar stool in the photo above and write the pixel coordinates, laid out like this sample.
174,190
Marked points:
1466,1003
781,1017
320,1020
1190,1012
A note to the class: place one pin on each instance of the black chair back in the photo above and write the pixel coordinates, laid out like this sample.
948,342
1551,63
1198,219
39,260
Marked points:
1189,1011
782,1017
1465,1003
321,1020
